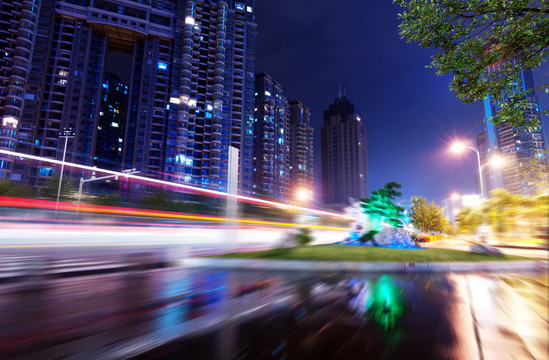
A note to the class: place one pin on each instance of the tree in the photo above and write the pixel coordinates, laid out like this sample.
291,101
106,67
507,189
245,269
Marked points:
485,44
427,216
380,208
502,209
52,187
535,172
468,220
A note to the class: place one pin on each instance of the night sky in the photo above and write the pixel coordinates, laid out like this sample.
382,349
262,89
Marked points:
411,117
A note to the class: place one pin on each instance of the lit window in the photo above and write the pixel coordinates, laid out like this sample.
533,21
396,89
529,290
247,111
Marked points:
114,124
189,20
120,140
175,100
267,93
162,65
192,102
249,8
209,107
10,121
240,6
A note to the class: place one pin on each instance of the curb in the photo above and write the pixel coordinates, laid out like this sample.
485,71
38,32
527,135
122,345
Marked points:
366,267
99,270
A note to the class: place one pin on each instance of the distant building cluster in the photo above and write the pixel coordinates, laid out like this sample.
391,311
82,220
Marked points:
524,152
165,87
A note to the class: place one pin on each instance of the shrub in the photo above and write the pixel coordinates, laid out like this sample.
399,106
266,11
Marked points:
423,238
303,237
368,236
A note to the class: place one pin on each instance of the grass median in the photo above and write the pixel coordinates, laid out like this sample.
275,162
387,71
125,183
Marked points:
363,253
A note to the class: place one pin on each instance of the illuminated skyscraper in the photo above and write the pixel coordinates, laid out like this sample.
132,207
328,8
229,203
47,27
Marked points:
344,154
189,66
523,151
112,123
271,144
301,147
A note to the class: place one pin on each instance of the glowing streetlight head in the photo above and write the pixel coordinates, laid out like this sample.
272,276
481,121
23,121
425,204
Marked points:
303,194
496,161
457,147
455,196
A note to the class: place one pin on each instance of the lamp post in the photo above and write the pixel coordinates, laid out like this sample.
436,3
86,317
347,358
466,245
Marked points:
66,133
495,161
458,147
82,181
302,197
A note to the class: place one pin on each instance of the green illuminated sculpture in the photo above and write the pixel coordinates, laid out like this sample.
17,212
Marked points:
380,208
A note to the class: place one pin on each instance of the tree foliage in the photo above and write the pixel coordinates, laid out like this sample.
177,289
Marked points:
380,208
508,215
485,44
468,220
535,172
11,190
426,216
52,187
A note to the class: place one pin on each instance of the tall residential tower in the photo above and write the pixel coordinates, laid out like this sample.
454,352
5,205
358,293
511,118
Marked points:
344,155
301,147
271,145
188,65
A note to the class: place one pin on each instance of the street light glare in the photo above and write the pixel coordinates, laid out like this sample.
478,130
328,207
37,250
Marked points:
455,196
303,194
496,161
457,147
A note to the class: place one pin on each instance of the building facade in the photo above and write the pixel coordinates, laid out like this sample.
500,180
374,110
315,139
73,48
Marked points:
189,67
523,151
301,147
344,155
271,140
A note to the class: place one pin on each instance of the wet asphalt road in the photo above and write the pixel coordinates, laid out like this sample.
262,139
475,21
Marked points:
191,314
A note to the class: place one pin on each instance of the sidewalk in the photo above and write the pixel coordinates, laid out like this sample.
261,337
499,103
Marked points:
365,267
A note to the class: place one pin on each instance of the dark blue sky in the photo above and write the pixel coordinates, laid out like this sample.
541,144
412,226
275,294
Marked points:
310,47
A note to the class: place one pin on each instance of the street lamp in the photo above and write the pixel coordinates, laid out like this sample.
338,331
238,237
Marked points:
66,133
459,147
495,161
82,181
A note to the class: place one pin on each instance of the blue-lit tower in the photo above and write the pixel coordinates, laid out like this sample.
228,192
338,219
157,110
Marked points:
519,147
271,140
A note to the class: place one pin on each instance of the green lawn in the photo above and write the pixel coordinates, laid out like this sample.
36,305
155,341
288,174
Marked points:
363,253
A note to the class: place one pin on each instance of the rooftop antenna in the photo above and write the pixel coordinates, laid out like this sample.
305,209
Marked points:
339,92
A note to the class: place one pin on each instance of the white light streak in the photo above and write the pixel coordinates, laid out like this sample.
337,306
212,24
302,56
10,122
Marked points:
178,185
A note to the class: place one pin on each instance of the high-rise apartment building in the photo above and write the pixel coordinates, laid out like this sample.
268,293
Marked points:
189,66
344,154
271,145
112,123
522,150
301,147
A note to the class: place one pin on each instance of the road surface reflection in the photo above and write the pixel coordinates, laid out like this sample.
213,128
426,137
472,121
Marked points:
192,314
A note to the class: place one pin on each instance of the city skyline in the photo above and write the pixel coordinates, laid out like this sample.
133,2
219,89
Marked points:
412,116
410,126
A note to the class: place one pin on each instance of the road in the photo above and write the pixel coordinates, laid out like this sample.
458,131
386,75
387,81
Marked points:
464,245
192,314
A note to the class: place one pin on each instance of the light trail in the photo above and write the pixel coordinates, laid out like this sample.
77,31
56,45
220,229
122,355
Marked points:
102,209
215,193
